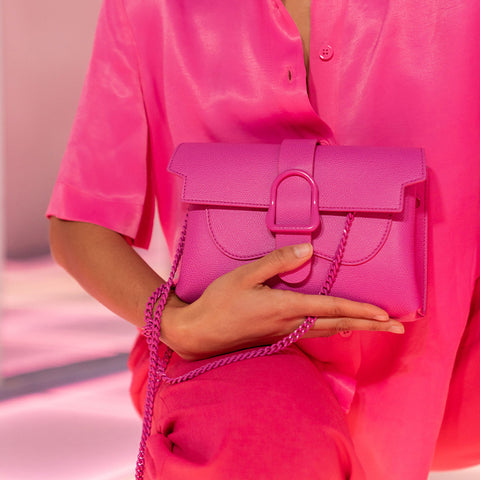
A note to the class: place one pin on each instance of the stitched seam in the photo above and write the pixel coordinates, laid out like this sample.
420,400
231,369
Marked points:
376,249
343,208
425,249
222,248
103,198
317,252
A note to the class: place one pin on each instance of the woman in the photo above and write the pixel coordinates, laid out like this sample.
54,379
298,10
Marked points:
360,404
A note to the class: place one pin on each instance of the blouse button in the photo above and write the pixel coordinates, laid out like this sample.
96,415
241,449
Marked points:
346,333
326,53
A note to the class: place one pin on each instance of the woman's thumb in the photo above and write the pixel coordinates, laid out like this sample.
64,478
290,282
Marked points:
279,261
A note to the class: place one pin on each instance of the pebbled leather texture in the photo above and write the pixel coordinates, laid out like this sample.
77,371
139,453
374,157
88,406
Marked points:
228,189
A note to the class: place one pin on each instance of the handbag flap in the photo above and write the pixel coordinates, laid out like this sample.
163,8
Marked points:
358,179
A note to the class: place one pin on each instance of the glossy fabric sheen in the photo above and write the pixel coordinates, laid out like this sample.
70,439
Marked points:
403,74
229,223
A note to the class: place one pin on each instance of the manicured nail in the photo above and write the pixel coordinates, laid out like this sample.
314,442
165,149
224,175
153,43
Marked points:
384,316
396,329
302,250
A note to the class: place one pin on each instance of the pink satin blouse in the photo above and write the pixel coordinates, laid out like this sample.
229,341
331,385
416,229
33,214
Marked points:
396,73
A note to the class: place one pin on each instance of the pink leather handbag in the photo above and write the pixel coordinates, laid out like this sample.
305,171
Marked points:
246,200
362,208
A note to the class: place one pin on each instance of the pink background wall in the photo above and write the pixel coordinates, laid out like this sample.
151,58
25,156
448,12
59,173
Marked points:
46,50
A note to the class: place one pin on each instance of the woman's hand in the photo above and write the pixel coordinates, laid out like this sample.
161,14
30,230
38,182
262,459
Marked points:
238,311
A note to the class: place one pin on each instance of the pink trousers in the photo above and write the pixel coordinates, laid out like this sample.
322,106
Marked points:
277,418
267,418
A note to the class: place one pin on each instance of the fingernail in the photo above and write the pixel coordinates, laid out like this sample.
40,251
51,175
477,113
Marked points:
302,250
396,329
381,317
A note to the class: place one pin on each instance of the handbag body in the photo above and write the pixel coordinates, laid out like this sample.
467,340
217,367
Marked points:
245,200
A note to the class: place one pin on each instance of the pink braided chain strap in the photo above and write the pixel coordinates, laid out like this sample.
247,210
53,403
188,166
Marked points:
157,368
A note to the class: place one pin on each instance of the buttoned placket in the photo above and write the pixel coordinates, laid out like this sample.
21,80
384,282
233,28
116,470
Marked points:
325,54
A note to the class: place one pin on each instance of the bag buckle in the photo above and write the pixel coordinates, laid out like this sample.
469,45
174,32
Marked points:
314,213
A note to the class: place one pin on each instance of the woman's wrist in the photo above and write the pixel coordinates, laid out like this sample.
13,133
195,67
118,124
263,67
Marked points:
174,328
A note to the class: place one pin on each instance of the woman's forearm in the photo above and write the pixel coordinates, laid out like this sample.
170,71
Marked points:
105,265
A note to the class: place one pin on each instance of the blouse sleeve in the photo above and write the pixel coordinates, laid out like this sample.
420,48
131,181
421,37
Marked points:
103,176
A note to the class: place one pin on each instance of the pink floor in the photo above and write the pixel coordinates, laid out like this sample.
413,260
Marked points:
63,362
64,406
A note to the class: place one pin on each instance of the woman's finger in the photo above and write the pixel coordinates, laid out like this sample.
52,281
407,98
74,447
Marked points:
337,325
295,304
279,261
